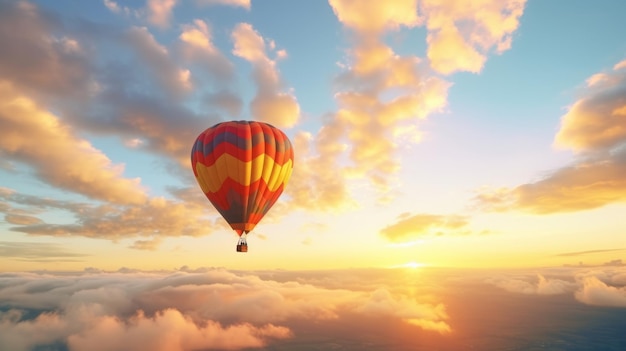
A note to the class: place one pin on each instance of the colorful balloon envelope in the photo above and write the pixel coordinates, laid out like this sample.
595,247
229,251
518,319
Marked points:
242,167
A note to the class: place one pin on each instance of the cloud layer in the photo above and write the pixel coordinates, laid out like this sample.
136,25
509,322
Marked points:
209,309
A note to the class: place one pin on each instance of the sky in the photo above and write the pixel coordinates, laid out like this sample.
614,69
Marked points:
456,163
437,133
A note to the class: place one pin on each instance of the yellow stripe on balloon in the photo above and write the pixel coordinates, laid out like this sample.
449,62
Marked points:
253,168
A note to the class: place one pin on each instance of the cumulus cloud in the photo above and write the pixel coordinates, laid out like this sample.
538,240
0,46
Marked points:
462,33
207,309
176,81
597,121
198,47
595,127
593,285
170,330
596,292
271,104
61,158
380,94
71,69
375,17
411,227
36,57
317,182
160,11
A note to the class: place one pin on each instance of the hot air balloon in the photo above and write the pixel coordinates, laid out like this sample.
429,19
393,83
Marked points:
242,167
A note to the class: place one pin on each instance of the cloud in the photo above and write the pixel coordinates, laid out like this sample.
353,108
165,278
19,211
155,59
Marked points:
114,7
317,182
418,225
156,218
543,286
461,33
22,219
596,286
379,93
198,47
61,158
376,17
597,293
39,252
235,3
225,100
597,121
148,245
75,69
579,253
206,309
35,56
595,127
170,330
582,186
270,104
174,80
160,11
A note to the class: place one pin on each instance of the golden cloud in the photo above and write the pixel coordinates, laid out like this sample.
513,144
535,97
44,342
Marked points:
582,186
595,127
169,330
38,138
317,183
411,227
210,308
598,120
198,47
598,293
461,33
376,16
18,219
380,92
270,104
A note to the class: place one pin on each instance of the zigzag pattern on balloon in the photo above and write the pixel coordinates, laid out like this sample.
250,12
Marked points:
260,186
241,172
218,142
242,167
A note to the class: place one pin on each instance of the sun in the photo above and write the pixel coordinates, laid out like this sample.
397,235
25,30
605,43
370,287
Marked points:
413,265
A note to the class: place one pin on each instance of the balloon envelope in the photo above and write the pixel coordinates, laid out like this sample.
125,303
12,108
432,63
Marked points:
242,167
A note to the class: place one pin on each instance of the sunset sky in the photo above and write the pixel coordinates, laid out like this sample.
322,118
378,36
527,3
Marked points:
437,133
483,136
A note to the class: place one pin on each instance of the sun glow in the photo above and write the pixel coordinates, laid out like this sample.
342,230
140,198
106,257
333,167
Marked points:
412,265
